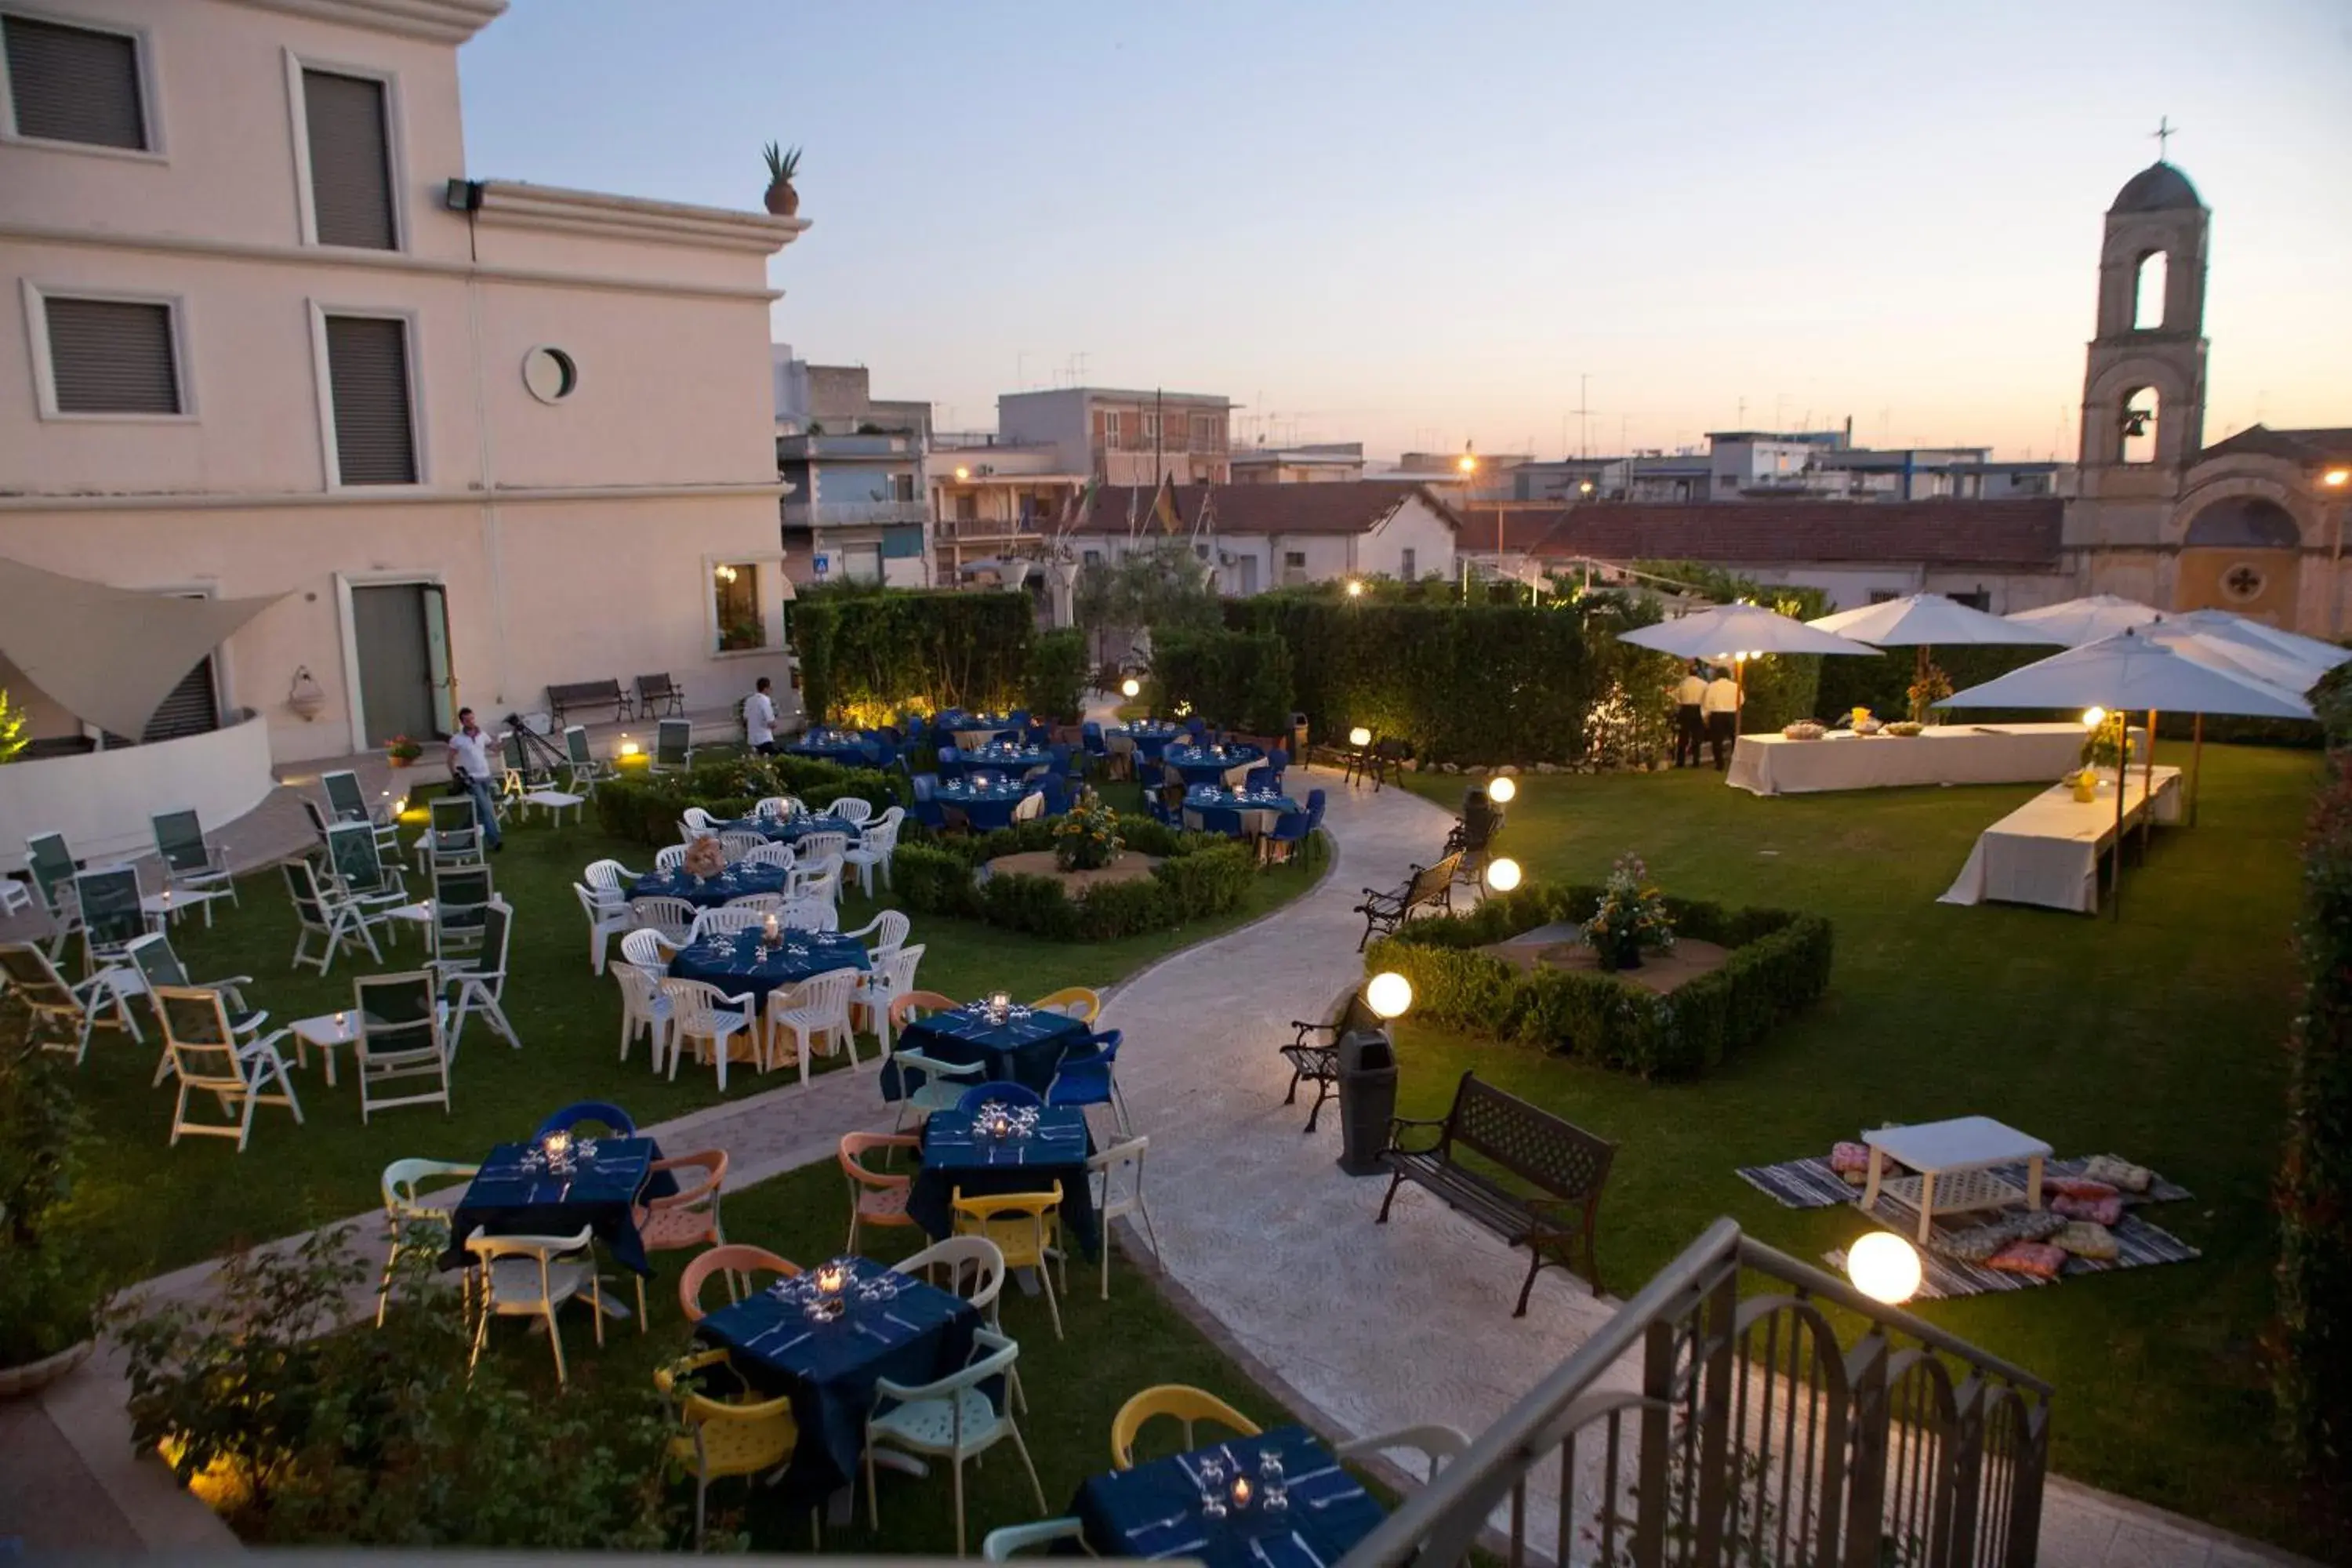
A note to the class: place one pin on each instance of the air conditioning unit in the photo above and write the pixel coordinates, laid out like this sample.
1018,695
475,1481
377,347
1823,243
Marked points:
1227,558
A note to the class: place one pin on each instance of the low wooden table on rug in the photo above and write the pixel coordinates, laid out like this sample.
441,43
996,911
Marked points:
1950,1158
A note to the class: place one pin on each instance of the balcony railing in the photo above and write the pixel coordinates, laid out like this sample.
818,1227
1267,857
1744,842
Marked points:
1704,1427
854,514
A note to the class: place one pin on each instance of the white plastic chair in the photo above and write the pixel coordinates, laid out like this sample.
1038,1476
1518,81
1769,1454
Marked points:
671,919
703,1016
887,928
1106,1168
777,855
952,1418
760,903
739,845
399,1039
812,1012
821,848
209,1059
851,809
412,1225
645,1009
943,1085
811,914
814,884
610,877
1006,1542
879,846
891,976
608,916
649,950
529,1277
1438,1444
726,922
695,823
775,805
975,1271
669,857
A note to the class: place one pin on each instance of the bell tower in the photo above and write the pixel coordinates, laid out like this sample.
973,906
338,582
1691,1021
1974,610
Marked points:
2144,384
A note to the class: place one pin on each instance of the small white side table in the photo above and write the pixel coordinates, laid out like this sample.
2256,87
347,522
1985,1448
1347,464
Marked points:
554,803
326,1031
1951,1158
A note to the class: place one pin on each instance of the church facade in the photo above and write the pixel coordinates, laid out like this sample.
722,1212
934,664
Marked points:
2253,524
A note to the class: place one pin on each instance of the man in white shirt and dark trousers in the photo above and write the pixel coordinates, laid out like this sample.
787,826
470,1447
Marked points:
469,770
760,720
1721,705
1690,726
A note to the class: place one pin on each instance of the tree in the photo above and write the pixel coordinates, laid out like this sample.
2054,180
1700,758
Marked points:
13,739
1158,587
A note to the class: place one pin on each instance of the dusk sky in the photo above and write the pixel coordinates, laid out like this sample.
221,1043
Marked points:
1414,225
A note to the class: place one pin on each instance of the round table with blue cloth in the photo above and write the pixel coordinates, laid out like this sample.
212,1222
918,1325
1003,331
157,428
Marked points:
984,805
973,729
1004,758
1236,811
736,962
793,828
848,747
1210,764
738,881
1024,1049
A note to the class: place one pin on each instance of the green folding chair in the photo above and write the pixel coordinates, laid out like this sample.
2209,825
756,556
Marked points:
194,866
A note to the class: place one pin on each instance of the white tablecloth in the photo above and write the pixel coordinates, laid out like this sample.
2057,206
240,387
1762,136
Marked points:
1947,754
2047,851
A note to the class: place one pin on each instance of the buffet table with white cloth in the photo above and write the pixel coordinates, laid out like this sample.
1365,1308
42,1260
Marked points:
2047,851
1946,755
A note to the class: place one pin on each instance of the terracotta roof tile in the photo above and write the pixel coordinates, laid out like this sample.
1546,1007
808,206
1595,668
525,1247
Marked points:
2017,533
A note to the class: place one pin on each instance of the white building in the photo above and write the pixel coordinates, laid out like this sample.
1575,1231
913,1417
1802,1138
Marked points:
1317,463
1124,438
854,469
471,437
996,503
1262,536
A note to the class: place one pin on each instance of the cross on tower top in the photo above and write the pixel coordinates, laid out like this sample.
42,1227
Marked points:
2164,133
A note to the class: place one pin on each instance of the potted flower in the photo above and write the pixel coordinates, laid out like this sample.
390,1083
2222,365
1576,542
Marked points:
400,750
1086,837
1929,687
51,1290
1631,919
781,199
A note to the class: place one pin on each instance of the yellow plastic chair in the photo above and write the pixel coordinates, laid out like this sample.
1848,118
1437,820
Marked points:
1026,1229
1183,1401
1076,1001
725,1439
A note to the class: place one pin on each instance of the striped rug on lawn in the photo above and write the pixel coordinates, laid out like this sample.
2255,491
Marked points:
2138,1243
1812,1185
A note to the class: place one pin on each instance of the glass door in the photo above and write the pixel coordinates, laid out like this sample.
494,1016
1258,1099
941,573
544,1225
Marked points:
438,674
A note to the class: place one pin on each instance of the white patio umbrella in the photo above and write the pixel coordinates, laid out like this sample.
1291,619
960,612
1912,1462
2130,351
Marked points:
1739,633
2134,669
2085,620
1924,620
2218,642
2322,656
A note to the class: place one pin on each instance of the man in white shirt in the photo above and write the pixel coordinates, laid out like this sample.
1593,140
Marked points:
469,770
760,720
1690,727
1721,706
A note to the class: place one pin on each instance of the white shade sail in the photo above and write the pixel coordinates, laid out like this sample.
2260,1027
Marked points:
2130,672
1926,619
1731,629
2086,620
108,656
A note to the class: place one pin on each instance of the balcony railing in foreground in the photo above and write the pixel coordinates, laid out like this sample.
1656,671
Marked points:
1702,1427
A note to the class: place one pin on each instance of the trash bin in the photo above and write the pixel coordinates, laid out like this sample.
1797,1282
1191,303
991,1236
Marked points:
1297,746
1368,1088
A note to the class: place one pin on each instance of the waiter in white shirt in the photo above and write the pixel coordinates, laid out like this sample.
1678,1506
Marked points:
1721,706
469,770
760,720
1690,726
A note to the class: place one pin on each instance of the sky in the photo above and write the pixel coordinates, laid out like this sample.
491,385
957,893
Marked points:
1415,226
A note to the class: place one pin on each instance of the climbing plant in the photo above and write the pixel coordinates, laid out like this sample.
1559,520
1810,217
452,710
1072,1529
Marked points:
13,739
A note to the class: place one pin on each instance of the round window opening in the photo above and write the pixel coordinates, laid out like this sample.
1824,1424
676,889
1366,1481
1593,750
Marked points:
550,374
2242,582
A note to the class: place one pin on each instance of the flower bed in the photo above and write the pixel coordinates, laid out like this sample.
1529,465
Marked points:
646,807
1779,966
1199,876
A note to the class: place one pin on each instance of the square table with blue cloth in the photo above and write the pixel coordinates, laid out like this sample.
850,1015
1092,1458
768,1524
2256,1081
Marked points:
738,881
987,807
1236,810
1154,1509
955,1154
1210,764
507,1199
793,828
736,960
829,1370
848,753
1025,1048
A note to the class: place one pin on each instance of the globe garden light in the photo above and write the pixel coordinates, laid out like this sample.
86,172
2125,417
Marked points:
962,474
1503,875
2338,477
2093,717
628,748
1130,688
1388,993
1883,1266
1502,790
1355,589
1360,737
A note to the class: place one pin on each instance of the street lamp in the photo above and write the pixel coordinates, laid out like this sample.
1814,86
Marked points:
2336,478
1355,589
963,473
1503,875
1501,789
1388,993
1130,688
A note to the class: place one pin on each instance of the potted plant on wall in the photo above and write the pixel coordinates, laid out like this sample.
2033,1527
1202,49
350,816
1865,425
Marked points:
400,750
781,199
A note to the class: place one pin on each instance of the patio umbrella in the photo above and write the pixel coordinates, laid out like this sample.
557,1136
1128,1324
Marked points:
2086,620
1739,633
1924,620
2130,670
2320,656
2216,643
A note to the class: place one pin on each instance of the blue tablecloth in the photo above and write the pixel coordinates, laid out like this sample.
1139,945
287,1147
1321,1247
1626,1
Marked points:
985,806
1204,765
1015,760
846,747
955,1156
504,1199
1019,1050
792,829
1211,798
736,962
1154,1509
921,1335
736,882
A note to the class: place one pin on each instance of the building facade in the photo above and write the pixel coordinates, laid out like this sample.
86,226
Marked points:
1319,463
1255,537
1120,437
478,437
856,507
994,503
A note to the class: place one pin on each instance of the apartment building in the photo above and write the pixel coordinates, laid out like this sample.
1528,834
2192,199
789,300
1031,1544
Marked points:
994,502
467,437
1125,437
1316,463
856,507
1255,537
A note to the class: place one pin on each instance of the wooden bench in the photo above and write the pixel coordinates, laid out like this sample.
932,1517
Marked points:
1566,1163
658,694
590,694
1317,1060
1429,887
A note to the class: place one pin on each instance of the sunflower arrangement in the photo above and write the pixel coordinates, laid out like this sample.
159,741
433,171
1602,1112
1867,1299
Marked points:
1086,837
1631,919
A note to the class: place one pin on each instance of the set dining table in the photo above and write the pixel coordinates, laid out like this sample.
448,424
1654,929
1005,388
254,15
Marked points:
516,1193
793,828
741,961
1156,1510
1023,1047
738,881
1255,810
847,747
968,729
1010,756
986,800
1212,764
958,1154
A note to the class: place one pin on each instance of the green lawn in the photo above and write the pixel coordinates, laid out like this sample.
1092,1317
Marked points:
2159,1037
155,1207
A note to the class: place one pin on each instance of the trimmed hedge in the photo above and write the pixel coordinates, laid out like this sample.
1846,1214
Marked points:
1055,686
645,808
865,656
1199,877
1236,679
1779,966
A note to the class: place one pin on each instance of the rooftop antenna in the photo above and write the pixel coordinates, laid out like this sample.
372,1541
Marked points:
2164,133
1583,415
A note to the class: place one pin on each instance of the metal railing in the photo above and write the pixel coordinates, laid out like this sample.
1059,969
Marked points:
851,514
1705,1426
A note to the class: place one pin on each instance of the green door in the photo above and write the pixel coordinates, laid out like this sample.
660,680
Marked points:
399,693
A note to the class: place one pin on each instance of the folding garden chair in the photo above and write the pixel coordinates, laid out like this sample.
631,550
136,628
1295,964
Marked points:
53,867
455,835
673,746
193,863
585,767
462,896
325,912
208,1059
347,802
399,1039
158,965
111,920
65,1013
474,984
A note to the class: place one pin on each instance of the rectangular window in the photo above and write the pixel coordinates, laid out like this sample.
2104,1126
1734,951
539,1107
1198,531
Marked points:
367,377
735,604
1294,560
1405,571
348,131
110,356
1208,433
1093,557
75,84
902,487
1979,600
1151,429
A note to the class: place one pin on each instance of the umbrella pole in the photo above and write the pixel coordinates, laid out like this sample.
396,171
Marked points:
2123,773
2148,790
2196,766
